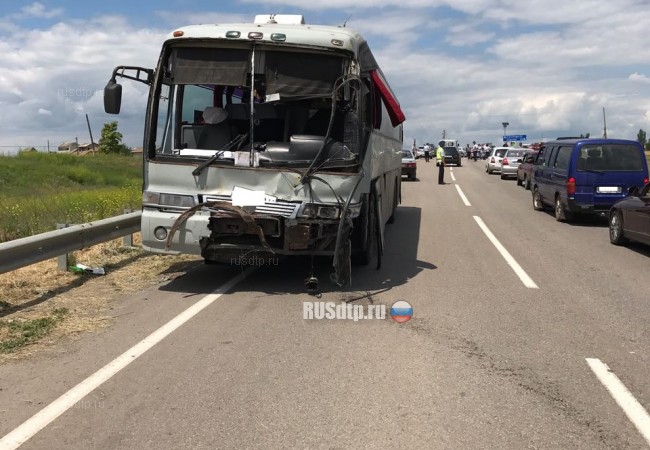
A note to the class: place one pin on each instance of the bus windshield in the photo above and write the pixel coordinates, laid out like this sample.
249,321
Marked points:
302,106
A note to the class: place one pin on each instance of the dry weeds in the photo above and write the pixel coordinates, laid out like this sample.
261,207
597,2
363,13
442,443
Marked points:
37,291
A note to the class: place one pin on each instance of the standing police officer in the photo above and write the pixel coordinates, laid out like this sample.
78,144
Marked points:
440,162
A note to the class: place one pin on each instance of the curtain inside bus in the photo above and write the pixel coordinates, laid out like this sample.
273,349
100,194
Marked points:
293,74
220,66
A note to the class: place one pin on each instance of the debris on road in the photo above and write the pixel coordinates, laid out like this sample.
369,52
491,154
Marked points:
81,268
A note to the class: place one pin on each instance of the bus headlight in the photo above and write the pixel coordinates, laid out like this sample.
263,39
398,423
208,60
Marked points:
328,212
310,210
355,210
314,211
172,200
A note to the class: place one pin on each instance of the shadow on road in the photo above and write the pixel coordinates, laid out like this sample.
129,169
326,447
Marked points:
287,275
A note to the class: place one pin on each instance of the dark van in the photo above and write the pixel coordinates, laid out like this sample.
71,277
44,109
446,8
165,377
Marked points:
586,176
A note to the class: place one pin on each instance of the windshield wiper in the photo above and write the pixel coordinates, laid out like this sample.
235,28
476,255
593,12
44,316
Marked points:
235,142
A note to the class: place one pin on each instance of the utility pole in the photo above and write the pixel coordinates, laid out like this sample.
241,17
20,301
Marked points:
604,124
92,143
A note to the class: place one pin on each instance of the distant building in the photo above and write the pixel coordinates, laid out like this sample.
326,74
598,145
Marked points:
68,147
79,149
88,148
137,151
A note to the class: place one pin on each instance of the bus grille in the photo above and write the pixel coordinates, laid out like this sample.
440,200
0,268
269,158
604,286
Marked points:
277,208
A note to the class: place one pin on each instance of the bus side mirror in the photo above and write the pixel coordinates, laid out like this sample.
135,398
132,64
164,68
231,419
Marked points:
112,97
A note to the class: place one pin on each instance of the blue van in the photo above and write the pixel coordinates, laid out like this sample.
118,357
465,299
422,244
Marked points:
586,176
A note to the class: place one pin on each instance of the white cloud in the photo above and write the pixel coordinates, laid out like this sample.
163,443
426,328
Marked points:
181,18
351,4
639,78
545,66
63,69
39,10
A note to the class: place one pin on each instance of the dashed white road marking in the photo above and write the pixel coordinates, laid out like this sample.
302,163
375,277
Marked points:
462,196
47,415
521,273
631,407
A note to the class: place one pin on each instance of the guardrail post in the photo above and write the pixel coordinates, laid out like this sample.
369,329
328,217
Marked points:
127,240
63,260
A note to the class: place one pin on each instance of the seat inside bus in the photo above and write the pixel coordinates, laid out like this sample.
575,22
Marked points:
215,133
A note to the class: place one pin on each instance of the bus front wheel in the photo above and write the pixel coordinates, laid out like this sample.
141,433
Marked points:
370,251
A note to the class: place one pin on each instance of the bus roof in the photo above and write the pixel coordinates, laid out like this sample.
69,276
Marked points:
289,34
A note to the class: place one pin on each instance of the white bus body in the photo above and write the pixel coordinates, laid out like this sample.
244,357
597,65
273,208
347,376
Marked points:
313,168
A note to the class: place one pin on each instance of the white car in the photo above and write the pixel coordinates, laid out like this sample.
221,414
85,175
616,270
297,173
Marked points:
493,161
409,166
510,162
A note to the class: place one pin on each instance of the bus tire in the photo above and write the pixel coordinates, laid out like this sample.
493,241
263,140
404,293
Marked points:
391,219
371,250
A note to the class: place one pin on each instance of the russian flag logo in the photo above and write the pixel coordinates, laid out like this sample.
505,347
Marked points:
401,311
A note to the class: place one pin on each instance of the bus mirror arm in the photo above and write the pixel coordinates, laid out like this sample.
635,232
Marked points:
113,90
142,74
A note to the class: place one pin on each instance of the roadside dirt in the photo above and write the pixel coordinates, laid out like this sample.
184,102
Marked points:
42,291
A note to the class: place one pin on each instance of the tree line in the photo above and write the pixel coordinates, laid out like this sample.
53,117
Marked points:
643,139
111,140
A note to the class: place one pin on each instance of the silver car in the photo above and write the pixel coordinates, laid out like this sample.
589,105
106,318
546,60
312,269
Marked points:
493,161
510,161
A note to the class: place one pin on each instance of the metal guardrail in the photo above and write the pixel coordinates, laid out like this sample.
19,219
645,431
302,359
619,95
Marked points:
25,251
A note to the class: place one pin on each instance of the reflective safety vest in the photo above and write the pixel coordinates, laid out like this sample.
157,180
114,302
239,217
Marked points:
440,154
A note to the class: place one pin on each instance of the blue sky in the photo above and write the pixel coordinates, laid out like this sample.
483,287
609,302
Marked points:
547,67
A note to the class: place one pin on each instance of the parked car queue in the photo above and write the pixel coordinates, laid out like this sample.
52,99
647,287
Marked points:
581,177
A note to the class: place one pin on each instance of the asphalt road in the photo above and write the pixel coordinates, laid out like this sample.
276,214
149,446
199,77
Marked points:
496,355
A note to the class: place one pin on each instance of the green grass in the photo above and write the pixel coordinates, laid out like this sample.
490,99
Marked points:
21,333
39,190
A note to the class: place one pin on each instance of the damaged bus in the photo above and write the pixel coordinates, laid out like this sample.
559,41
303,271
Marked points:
268,138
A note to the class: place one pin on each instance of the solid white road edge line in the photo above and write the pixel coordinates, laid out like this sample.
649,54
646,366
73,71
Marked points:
47,415
632,408
462,196
521,273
